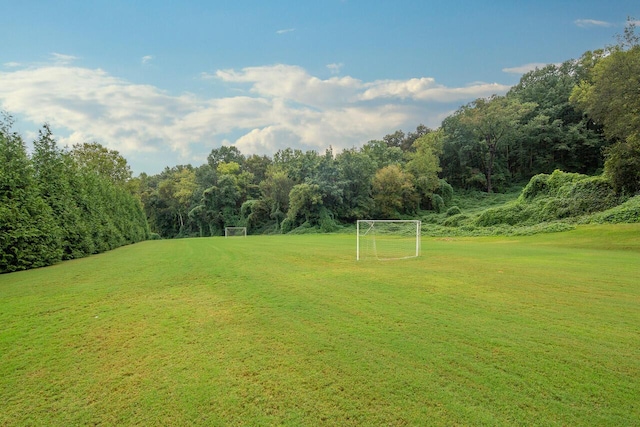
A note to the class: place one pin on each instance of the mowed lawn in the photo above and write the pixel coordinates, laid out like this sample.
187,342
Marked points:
291,330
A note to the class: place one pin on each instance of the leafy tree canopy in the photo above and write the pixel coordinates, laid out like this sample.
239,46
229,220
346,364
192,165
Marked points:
103,161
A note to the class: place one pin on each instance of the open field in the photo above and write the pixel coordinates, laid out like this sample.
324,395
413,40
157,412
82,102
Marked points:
291,330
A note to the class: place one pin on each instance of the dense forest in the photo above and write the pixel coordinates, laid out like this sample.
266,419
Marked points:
581,117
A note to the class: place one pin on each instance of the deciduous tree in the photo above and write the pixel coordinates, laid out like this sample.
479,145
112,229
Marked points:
103,161
492,123
424,163
356,170
611,97
393,192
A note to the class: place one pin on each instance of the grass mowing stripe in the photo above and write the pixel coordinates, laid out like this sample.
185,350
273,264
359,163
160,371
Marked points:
291,330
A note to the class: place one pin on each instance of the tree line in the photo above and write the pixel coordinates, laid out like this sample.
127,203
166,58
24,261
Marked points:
295,189
58,204
581,116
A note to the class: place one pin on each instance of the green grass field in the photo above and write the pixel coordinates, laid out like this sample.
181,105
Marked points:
291,330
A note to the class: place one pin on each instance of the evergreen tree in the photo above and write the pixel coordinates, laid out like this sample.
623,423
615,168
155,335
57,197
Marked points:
29,236
56,177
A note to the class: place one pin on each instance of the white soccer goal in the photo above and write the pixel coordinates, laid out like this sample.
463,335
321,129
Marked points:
235,232
387,239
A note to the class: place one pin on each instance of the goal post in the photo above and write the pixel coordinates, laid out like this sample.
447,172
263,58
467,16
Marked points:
235,232
388,239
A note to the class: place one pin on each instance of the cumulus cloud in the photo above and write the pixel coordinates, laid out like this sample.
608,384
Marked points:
294,83
91,104
146,59
426,89
270,138
280,106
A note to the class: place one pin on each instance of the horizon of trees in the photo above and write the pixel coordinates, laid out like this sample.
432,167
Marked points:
580,116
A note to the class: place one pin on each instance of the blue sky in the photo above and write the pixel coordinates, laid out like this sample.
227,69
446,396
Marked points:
164,82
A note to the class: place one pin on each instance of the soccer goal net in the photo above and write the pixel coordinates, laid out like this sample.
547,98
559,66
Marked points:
388,239
235,232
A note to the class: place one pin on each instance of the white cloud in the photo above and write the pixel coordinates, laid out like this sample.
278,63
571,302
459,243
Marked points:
269,139
91,104
590,23
426,89
523,69
12,64
293,83
397,88
146,59
62,59
286,30
282,106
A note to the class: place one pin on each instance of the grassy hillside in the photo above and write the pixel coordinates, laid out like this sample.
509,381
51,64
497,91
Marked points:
547,203
291,330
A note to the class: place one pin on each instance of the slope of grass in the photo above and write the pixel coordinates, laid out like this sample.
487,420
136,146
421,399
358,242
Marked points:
291,330
548,203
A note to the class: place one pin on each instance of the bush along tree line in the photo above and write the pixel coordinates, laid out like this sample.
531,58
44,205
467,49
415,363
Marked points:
580,117
62,204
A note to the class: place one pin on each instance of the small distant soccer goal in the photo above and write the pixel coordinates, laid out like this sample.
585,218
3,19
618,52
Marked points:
386,239
235,232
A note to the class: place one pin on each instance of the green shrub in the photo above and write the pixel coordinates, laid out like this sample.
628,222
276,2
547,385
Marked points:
628,212
453,210
556,184
511,214
326,222
437,203
548,203
622,166
537,186
455,220
592,195
551,197
287,225
550,208
545,227
477,180
560,182
304,228
445,190
431,218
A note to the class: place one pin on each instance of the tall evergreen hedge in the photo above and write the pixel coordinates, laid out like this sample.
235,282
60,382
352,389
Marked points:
29,235
51,209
